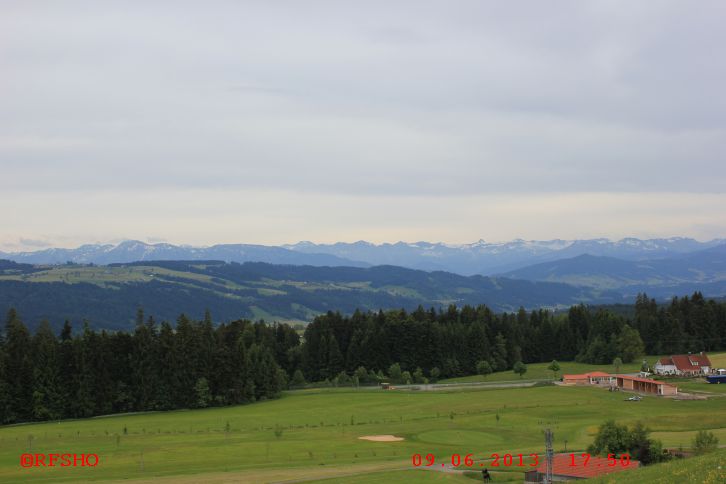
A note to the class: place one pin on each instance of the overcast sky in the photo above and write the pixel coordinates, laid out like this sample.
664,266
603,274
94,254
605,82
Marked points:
278,121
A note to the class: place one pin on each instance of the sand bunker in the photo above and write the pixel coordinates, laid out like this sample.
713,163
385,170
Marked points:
381,438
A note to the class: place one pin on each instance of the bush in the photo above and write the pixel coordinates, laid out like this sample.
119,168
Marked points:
617,439
704,442
298,379
362,374
282,379
484,368
343,378
520,368
201,390
554,367
394,371
611,438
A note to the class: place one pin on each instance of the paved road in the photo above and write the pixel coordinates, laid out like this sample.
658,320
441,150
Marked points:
455,386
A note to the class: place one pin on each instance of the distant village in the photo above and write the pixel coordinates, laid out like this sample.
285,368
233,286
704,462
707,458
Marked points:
682,366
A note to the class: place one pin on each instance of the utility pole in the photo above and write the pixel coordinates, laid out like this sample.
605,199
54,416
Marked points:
549,456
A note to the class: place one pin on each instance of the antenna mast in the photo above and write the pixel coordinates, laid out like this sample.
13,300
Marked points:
549,456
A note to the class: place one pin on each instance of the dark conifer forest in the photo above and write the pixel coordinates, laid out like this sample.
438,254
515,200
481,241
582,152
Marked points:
193,364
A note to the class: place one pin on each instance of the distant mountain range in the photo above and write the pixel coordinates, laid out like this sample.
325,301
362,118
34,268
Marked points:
108,295
492,258
134,250
481,257
703,271
318,278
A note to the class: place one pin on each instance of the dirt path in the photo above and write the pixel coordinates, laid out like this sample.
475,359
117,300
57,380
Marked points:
432,387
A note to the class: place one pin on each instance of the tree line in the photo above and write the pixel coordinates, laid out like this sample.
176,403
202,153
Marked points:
157,367
195,364
460,341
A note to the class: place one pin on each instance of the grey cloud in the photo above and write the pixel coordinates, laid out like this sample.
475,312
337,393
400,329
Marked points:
405,98
34,243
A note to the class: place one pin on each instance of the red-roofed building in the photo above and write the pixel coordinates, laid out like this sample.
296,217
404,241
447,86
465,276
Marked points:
583,468
684,365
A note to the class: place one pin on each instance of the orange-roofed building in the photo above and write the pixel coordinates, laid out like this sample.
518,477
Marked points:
583,468
592,378
645,385
574,379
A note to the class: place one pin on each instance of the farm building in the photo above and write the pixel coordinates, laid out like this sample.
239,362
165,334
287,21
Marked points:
684,365
624,382
592,378
645,385
563,470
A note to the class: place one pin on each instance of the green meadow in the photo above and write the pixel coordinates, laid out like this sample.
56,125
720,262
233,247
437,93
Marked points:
706,469
313,435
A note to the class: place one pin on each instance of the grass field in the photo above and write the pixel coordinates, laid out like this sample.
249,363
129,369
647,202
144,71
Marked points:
718,360
707,469
320,430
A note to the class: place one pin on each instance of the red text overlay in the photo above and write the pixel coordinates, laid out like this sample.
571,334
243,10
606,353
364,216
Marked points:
512,460
59,460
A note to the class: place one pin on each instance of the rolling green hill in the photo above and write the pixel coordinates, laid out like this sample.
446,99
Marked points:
318,437
706,469
108,295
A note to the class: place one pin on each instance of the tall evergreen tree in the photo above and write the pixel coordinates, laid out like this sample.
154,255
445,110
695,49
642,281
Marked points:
354,356
18,369
187,358
84,402
68,370
47,395
145,363
336,363
499,353
5,410
169,390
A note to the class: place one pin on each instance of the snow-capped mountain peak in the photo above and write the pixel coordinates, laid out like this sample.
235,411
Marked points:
478,257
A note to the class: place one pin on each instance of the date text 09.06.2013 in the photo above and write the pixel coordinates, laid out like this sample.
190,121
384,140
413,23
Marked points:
509,460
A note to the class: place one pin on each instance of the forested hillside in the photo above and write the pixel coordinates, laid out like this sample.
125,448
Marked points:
79,372
107,296
704,271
